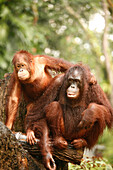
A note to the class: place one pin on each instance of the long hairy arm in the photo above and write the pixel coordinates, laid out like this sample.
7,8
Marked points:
96,95
57,64
14,92
36,110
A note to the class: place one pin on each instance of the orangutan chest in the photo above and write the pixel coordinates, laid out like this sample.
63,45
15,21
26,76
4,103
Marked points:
32,91
72,117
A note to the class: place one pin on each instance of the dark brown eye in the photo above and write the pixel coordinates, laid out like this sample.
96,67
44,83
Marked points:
77,81
70,80
22,65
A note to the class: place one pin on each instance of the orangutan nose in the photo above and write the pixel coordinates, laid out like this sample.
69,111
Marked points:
21,70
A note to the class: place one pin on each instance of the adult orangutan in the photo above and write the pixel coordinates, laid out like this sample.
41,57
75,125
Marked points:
31,77
81,112
76,111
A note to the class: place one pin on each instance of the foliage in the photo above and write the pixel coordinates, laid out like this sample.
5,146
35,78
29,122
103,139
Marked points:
107,140
92,164
18,31
47,27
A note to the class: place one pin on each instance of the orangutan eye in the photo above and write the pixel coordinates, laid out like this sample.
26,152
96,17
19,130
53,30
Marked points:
70,80
18,66
77,80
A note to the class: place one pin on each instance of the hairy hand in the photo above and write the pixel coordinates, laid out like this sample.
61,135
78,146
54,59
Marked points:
60,142
79,143
31,137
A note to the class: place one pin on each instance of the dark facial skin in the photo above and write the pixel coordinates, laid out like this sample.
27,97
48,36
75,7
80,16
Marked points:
73,91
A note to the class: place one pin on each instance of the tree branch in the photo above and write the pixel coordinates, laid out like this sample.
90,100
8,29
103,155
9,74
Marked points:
106,47
88,33
69,154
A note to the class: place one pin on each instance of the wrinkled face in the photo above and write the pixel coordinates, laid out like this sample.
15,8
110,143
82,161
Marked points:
75,84
22,67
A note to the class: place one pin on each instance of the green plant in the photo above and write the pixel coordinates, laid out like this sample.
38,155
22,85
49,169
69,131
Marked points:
92,164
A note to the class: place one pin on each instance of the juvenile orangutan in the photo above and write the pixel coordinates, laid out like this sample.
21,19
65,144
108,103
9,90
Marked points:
31,77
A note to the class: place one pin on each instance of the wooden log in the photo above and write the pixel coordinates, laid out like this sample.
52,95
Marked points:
70,154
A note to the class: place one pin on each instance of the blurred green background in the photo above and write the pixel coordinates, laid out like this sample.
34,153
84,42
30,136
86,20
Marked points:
75,30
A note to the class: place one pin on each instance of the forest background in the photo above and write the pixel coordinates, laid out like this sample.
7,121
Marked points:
76,30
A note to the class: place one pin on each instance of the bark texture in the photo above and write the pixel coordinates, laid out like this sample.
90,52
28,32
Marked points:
12,154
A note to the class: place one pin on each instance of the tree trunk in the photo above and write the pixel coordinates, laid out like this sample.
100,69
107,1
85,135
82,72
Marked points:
105,49
12,154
